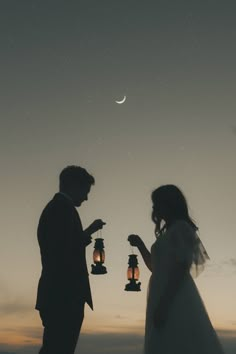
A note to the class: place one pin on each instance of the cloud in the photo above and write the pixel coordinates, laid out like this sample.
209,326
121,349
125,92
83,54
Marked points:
93,343
228,340
26,331
224,267
117,343
229,345
28,350
110,343
14,307
232,262
133,343
22,350
119,317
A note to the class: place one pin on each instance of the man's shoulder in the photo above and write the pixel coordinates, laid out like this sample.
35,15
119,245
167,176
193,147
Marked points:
56,214
57,205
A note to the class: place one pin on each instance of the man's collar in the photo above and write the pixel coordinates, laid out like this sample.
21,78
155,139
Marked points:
67,197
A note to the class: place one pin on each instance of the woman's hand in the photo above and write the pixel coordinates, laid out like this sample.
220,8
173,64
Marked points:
135,240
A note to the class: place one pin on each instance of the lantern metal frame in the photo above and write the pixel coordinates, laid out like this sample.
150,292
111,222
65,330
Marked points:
133,285
98,267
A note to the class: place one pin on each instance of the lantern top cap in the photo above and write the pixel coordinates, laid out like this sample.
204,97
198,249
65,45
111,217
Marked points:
99,243
133,261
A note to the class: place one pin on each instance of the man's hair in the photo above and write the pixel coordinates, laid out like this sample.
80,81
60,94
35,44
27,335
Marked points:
75,175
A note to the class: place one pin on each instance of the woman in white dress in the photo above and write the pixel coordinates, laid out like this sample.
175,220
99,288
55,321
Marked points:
176,319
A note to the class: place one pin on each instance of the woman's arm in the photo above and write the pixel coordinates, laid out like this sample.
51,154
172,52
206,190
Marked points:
136,241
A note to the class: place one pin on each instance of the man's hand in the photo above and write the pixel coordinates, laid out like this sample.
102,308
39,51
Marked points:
95,226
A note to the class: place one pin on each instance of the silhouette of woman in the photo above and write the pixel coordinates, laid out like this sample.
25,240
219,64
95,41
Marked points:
176,319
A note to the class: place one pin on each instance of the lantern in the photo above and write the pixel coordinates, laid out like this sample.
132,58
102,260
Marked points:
98,257
133,274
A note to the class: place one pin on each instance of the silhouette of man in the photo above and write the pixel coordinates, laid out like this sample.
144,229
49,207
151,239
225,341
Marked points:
63,287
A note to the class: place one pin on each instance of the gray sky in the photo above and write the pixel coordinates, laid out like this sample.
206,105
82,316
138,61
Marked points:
62,66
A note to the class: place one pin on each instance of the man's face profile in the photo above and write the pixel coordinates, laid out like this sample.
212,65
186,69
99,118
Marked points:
80,194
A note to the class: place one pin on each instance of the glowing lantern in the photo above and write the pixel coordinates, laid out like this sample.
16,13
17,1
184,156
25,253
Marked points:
133,274
98,257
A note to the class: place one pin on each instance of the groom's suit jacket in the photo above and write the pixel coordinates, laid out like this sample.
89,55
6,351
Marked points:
64,279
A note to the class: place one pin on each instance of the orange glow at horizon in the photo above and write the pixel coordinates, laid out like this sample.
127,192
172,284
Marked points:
18,339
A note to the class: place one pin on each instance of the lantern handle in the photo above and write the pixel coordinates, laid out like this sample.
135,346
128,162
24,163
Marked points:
99,233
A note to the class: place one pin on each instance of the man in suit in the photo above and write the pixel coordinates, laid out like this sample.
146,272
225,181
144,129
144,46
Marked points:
63,287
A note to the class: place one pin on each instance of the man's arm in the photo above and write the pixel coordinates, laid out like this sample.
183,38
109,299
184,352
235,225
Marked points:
87,237
94,227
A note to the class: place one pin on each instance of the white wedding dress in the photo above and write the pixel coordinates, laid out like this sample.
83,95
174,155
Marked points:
188,329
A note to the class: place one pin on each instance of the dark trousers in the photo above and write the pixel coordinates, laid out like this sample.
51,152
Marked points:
61,329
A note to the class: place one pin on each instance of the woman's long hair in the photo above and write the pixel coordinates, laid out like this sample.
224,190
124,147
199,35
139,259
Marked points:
169,204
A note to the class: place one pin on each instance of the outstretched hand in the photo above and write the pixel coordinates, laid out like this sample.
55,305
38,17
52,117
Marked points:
135,240
95,226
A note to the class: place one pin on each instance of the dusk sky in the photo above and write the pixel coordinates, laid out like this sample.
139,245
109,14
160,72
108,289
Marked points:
63,64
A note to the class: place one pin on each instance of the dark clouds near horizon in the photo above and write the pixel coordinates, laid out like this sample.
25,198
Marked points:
121,344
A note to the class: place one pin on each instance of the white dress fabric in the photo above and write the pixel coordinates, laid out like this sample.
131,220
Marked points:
188,329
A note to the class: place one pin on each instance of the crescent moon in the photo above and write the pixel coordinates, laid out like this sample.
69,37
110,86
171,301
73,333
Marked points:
122,101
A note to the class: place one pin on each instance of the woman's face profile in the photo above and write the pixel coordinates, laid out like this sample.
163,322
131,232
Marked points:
156,211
